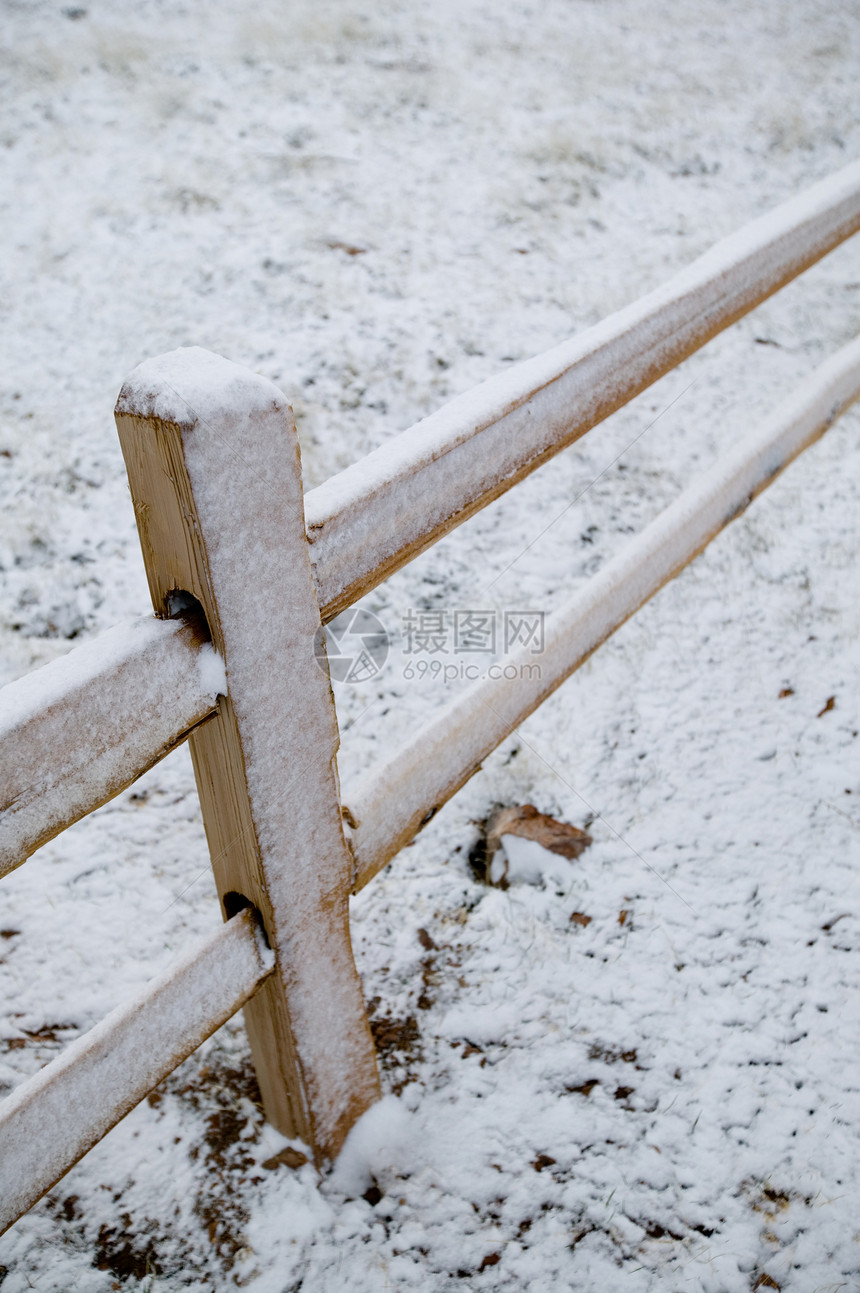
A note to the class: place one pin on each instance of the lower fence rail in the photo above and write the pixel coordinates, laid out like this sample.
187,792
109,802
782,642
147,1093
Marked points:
389,806
50,1121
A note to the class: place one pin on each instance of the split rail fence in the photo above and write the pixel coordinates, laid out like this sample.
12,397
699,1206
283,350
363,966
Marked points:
242,569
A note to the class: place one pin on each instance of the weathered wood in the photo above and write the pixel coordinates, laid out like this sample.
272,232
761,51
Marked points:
215,475
391,804
78,731
371,519
54,1118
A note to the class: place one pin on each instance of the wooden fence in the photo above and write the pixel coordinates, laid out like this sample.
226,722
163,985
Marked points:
242,569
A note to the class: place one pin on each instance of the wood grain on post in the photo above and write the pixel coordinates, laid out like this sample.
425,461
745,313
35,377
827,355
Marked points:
215,474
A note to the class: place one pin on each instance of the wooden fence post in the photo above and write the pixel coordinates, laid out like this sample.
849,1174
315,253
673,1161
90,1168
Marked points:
215,473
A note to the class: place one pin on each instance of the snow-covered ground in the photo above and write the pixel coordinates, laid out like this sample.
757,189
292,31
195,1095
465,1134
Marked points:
377,208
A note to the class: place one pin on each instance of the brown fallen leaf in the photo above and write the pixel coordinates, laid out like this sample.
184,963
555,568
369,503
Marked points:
525,821
622,915
829,704
586,1088
287,1157
580,918
786,691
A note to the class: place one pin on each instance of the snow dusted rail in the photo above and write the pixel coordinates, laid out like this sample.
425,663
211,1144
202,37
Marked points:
135,693
392,804
250,568
369,520
50,1121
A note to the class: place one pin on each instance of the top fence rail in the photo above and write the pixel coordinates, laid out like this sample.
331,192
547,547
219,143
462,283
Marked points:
375,516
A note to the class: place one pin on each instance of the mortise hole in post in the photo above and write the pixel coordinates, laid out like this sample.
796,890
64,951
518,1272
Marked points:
234,902
180,604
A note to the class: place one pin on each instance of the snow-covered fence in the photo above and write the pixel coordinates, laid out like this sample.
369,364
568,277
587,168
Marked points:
244,569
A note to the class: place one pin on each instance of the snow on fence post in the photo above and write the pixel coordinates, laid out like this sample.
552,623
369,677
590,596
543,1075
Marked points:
215,474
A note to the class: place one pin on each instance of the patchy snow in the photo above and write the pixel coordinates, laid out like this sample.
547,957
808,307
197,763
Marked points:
377,210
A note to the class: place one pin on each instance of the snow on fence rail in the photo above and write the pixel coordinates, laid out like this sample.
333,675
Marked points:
51,1121
136,691
391,804
236,554
375,516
